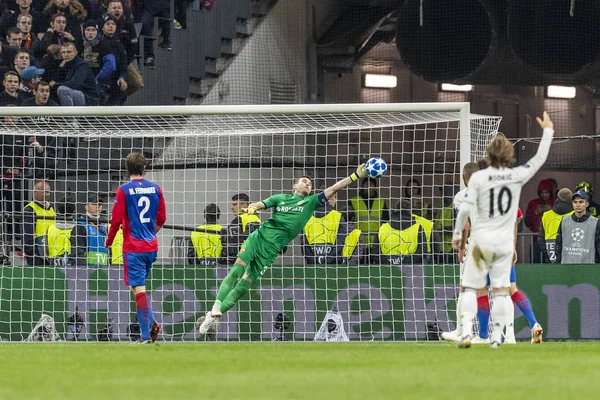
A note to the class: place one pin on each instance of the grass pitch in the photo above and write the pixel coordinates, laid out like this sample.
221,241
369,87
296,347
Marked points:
298,371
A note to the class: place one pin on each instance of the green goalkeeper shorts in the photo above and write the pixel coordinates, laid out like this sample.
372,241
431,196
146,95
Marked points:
257,256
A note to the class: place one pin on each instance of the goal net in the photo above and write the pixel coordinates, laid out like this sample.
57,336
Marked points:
383,289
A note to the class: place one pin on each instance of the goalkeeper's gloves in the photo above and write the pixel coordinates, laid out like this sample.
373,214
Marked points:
251,210
361,172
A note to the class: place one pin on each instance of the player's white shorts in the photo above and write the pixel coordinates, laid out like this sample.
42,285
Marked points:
495,259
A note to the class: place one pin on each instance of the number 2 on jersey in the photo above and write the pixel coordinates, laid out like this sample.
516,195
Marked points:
503,210
144,201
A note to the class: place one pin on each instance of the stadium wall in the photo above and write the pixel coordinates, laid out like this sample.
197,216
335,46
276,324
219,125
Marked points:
276,52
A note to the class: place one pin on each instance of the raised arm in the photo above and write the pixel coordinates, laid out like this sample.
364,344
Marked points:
361,172
531,167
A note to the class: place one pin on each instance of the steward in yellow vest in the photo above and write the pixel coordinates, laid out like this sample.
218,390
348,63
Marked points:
353,245
324,236
401,241
206,242
38,216
58,236
370,211
239,228
551,222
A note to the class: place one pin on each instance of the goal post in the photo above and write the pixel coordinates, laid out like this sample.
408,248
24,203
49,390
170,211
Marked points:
202,155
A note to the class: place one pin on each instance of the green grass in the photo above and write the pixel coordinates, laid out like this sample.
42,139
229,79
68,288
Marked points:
329,371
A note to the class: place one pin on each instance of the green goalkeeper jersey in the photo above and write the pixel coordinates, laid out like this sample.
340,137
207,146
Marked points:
290,213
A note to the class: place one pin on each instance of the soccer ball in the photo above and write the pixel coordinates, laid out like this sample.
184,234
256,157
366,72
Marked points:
376,167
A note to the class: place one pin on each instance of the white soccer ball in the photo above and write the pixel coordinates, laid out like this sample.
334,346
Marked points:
376,167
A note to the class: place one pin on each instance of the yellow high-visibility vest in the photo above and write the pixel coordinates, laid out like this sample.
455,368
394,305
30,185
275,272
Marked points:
368,221
207,245
42,224
551,222
59,241
351,243
444,222
323,230
398,242
247,219
427,227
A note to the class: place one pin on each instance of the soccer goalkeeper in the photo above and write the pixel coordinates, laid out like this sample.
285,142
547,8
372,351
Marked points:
290,213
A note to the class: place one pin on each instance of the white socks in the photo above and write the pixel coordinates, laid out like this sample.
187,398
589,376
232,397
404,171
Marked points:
459,325
468,311
502,315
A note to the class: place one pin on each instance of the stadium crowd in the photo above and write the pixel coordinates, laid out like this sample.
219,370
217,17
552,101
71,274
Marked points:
84,51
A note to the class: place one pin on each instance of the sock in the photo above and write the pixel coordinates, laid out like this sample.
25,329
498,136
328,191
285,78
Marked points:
510,326
523,303
237,271
459,325
143,313
483,316
468,311
500,315
242,287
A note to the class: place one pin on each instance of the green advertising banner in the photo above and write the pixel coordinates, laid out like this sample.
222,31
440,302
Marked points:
375,302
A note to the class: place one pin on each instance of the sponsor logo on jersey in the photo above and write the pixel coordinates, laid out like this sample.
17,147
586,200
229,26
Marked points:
290,208
300,203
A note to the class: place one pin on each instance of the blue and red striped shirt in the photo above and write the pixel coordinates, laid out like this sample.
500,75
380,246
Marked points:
140,208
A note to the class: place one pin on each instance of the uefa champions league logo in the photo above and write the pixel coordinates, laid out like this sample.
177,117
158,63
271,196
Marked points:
577,234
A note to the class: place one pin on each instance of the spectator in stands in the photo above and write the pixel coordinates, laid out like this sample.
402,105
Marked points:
38,215
30,77
413,191
578,236
324,235
550,222
370,210
444,224
401,240
41,96
8,51
533,216
56,34
207,247
79,86
59,234
125,30
537,207
22,61
160,9
74,13
51,65
116,82
37,22
90,235
98,56
11,83
593,208
31,41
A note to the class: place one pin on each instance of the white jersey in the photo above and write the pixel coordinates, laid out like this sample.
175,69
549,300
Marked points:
493,195
458,199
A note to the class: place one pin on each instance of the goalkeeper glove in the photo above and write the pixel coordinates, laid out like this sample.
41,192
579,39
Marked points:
361,172
251,210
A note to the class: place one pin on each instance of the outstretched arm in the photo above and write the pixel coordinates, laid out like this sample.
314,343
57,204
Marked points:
361,172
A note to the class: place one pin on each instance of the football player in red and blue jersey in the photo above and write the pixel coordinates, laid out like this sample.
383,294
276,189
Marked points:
140,208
